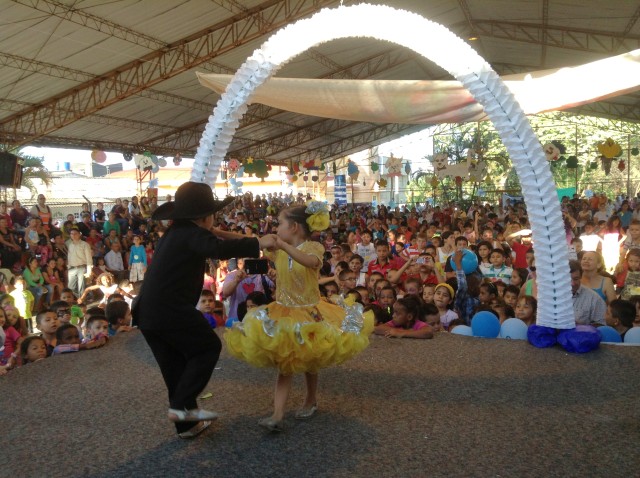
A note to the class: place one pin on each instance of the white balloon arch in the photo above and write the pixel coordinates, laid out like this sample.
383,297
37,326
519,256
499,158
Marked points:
436,43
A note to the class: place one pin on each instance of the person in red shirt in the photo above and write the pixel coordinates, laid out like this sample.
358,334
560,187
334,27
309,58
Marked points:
383,263
520,247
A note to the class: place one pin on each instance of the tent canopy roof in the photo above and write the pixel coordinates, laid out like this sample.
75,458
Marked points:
121,76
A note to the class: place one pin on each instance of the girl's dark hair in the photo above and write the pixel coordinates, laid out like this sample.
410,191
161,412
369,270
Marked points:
257,297
414,306
24,346
532,301
297,214
61,330
380,315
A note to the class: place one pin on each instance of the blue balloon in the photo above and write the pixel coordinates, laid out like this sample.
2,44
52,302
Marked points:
609,334
485,324
462,330
469,262
632,336
231,321
514,329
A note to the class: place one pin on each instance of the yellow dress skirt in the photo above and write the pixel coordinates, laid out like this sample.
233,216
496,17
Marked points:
299,338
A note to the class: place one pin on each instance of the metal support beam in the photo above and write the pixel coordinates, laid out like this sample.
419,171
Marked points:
594,41
155,67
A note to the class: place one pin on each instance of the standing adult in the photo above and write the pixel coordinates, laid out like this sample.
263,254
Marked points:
181,339
79,262
43,211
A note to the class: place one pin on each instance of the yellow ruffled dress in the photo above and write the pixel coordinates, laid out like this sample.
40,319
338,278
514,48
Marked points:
299,331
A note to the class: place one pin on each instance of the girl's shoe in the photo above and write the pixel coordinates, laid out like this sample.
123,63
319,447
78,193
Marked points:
196,430
271,425
306,413
195,415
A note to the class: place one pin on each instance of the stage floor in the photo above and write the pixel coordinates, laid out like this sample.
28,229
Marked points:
451,406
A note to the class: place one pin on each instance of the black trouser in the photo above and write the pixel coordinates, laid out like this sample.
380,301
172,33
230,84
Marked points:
186,358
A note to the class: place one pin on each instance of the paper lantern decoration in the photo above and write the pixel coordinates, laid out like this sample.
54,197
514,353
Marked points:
335,168
382,183
374,166
233,165
314,178
162,162
609,149
128,155
98,156
572,162
635,151
177,159
314,164
407,169
352,170
394,166
621,165
305,178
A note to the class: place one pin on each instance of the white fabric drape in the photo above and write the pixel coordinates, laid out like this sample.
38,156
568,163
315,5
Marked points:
431,102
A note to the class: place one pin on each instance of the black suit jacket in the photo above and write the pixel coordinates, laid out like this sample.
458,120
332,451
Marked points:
174,280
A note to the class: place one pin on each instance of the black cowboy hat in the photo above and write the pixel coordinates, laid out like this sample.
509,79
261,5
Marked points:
193,200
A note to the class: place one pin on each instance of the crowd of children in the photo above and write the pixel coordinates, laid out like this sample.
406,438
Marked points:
403,264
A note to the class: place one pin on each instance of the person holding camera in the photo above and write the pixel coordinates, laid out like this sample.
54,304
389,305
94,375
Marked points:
238,284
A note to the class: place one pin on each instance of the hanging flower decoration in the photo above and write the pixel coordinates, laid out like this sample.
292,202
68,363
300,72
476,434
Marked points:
98,156
635,151
394,166
374,166
314,164
382,183
319,216
434,181
609,149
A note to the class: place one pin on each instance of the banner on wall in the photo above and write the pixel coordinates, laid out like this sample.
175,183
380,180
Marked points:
569,192
340,189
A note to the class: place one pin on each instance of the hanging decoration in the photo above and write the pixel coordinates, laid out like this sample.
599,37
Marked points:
593,165
146,162
233,165
98,156
407,168
394,166
609,149
434,181
314,164
382,183
127,155
328,172
374,166
572,162
635,151
553,150
621,165
260,169
606,164
443,169
352,170
249,167
236,186
177,159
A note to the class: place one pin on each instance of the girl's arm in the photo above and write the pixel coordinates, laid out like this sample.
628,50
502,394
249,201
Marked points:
422,333
609,290
302,258
86,291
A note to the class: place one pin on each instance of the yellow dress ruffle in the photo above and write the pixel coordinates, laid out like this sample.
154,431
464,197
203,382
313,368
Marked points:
299,332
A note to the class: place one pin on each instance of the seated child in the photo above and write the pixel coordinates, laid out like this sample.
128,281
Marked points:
33,349
48,323
364,294
68,340
11,339
205,305
77,316
15,321
97,327
118,315
510,296
620,315
432,316
346,280
428,291
443,298
406,320
526,309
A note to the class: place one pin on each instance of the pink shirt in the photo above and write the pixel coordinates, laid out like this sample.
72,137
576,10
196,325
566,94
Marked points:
12,336
417,325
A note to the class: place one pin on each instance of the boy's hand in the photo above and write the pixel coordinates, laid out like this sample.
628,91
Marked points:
457,258
124,328
97,343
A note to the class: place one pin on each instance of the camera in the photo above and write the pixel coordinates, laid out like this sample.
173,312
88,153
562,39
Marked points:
421,260
256,266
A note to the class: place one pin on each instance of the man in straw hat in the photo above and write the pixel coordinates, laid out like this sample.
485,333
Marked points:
183,343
